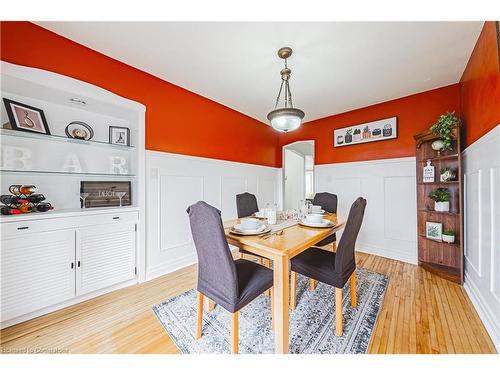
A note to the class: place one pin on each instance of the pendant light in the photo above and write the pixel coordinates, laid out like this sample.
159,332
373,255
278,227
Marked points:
287,118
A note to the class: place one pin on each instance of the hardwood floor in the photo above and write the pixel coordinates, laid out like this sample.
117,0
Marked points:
422,313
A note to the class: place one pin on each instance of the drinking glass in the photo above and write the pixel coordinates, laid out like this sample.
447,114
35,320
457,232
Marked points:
84,196
120,195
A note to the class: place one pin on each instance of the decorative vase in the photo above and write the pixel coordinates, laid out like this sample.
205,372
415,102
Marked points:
442,206
448,238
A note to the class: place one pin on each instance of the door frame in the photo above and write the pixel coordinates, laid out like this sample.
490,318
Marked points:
283,167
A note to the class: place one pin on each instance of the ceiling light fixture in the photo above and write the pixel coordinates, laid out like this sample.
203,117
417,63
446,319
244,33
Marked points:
287,118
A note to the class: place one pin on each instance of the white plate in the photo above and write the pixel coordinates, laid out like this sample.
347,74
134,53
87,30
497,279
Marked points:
321,212
249,232
324,224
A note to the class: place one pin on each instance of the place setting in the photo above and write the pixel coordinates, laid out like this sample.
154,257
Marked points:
250,227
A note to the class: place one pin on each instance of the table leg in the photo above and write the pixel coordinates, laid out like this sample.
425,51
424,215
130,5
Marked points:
281,300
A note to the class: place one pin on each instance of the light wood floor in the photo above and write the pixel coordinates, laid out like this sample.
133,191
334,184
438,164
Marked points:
422,313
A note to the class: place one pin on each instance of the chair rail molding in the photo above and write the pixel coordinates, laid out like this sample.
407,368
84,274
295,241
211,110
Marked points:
176,181
481,166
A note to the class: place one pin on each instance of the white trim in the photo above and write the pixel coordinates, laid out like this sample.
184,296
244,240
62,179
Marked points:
370,162
171,266
495,132
386,253
485,314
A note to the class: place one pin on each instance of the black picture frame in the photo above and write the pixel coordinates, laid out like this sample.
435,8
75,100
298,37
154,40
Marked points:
111,135
13,121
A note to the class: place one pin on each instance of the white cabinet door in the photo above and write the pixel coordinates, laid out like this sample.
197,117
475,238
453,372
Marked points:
105,255
36,271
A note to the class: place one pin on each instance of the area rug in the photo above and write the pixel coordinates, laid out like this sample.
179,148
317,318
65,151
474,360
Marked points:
312,323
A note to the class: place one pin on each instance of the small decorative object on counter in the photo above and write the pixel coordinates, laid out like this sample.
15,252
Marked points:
79,130
356,136
448,236
366,132
428,172
441,198
387,132
448,174
23,201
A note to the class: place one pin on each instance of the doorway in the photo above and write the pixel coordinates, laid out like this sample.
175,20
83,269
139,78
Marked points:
298,173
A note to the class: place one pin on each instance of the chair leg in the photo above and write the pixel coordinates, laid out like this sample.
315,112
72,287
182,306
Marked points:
271,292
210,305
234,333
199,314
354,297
338,312
312,284
293,289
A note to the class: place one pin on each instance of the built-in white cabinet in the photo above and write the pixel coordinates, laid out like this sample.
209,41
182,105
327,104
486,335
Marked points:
50,263
105,255
38,270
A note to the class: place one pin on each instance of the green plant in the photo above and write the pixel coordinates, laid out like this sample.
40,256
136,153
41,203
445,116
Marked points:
440,195
448,232
443,127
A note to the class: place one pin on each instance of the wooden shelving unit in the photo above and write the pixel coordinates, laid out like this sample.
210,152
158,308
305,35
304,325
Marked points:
444,259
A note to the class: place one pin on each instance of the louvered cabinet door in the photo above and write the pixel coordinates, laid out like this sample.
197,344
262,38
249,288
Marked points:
105,256
37,271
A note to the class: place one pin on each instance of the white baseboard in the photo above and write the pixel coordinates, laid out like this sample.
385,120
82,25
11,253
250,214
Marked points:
171,266
387,253
487,316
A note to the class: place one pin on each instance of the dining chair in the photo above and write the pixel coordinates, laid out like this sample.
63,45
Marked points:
334,269
232,284
246,205
328,202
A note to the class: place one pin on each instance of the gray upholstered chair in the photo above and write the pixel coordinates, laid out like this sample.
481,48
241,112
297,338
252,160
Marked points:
334,269
328,202
246,205
229,283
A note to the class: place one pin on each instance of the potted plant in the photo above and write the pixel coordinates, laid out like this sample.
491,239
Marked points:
348,136
448,174
443,128
441,198
448,236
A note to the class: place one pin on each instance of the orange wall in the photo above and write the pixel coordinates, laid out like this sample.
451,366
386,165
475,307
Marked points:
480,86
177,120
415,113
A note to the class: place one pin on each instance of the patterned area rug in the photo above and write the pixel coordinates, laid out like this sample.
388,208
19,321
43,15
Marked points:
312,323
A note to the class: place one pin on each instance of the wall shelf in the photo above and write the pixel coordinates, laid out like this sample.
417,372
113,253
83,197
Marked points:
61,138
66,173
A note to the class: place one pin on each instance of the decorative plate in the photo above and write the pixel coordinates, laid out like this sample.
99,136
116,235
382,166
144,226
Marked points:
250,232
324,224
79,130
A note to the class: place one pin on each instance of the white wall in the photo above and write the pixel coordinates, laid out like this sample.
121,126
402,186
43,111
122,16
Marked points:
294,166
389,186
176,181
481,166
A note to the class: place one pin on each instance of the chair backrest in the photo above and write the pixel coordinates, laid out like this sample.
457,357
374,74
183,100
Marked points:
345,262
246,204
217,277
327,201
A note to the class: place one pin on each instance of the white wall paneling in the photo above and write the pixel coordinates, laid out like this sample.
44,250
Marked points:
176,181
481,165
389,226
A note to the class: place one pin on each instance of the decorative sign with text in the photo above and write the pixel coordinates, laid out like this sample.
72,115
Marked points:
106,193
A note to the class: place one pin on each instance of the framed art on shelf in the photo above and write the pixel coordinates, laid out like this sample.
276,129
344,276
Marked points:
379,130
26,118
119,135
433,231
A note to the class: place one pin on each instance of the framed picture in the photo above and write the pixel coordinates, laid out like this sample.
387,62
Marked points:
433,231
379,130
106,193
119,135
26,118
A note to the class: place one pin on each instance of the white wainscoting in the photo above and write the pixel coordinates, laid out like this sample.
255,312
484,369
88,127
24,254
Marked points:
390,224
481,165
176,181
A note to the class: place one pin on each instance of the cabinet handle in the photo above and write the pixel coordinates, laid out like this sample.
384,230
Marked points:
116,217
21,228
78,263
72,265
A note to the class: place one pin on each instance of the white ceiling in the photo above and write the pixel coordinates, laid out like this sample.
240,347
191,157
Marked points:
336,66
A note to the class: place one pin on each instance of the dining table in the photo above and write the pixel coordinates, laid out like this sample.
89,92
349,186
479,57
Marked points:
287,239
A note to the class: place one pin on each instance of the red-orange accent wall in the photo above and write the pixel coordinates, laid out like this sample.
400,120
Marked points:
415,113
177,120
480,86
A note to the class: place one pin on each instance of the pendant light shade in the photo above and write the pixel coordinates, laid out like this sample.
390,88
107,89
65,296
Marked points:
287,118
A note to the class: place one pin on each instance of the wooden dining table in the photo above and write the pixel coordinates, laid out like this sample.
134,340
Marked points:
280,248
